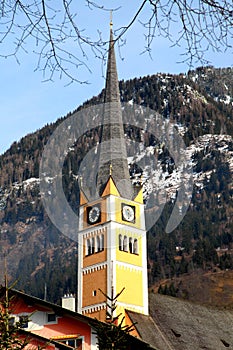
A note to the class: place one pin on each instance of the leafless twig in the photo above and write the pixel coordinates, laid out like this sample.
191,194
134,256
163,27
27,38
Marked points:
52,30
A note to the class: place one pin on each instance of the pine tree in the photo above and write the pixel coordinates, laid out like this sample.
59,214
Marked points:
9,330
112,335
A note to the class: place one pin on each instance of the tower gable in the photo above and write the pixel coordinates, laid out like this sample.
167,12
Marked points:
139,196
82,199
110,188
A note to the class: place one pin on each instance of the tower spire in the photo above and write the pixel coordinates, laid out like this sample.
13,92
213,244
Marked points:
111,19
113,146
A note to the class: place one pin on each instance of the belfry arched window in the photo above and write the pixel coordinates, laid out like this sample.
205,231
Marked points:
102,242
125,245
88,251
135,246
92,245
98,244
120,242
130,245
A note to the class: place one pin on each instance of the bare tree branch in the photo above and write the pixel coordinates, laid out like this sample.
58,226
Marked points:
52,31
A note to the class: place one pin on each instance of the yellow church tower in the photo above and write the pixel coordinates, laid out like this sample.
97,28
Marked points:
112,237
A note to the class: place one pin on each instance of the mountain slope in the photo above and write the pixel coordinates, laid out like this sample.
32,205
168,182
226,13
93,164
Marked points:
200,105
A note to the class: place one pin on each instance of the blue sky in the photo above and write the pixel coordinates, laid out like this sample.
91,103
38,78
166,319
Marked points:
27,103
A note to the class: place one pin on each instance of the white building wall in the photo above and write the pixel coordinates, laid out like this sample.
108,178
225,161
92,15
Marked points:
94,345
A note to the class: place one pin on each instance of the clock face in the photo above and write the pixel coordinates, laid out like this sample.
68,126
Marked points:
93,214
128,213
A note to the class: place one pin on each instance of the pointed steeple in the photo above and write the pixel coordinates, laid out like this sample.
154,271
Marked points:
113,147
112,93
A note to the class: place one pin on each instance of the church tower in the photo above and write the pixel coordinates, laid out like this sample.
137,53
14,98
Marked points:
112,236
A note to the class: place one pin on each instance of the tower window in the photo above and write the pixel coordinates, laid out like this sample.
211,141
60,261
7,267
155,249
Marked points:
98,245
94,293
125,245
135,246
102,242
88,252
120,242
130,245
92,245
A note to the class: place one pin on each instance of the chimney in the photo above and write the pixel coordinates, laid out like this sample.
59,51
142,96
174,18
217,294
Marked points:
68,302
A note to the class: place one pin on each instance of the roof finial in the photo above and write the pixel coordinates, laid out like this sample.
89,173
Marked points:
111,20
110,169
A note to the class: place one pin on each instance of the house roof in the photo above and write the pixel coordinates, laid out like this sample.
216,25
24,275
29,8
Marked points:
135,343
173,324
176,324
146,329
31,300
59,346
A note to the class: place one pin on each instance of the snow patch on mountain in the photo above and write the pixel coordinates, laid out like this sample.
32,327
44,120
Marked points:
160,174
161,178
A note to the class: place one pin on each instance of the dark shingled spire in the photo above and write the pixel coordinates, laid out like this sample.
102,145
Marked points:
113,148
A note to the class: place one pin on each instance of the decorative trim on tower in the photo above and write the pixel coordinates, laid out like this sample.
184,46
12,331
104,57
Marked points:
94,308
93,268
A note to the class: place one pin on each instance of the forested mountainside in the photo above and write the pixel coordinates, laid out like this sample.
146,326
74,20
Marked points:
200,104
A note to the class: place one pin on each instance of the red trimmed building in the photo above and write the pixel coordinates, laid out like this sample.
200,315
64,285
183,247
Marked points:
51,326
